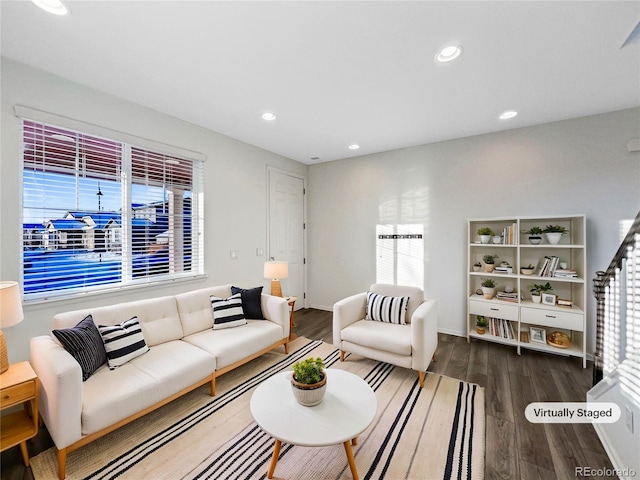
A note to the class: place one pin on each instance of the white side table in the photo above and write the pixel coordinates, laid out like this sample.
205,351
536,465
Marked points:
348,408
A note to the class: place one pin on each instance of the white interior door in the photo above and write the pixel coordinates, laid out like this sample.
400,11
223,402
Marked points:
286,230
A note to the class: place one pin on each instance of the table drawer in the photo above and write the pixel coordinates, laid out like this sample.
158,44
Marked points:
17,394
552,318
493,309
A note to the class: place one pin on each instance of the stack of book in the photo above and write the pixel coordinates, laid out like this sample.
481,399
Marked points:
507,297
565,274
548,266
564,302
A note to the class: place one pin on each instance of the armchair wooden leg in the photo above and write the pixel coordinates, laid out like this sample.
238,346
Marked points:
421,378
433,358
342,355
62,463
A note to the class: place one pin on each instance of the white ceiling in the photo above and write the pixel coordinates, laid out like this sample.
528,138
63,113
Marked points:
341,72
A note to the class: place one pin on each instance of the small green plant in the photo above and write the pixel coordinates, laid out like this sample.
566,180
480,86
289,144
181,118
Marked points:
481,321
489,259
485,231
555,229
533,231
538,289
308,371
529,267
488,282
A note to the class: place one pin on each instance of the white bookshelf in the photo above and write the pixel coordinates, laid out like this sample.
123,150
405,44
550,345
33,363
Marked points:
515,249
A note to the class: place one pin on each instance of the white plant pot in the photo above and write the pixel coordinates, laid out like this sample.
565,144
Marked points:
309,395
536,298
488,292
535,239
485,238
553,237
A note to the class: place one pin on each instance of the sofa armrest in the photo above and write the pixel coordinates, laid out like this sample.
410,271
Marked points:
347,311
60,391
424,335
276,309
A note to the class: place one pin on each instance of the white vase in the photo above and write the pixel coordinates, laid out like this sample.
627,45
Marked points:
488,292
535,239
553,237
485,238
536,298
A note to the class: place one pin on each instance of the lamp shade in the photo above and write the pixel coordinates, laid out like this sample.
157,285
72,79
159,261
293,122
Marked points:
10,304
276,269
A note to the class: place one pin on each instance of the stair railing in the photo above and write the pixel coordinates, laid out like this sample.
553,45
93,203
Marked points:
617,292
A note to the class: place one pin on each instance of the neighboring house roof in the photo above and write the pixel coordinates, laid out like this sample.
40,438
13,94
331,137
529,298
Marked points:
67,224
32,226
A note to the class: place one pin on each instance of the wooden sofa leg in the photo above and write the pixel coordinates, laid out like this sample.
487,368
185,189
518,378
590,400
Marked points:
213,384
342,355
286,348
62,463
421,377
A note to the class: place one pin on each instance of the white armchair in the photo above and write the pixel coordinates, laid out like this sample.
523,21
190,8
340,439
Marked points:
410,346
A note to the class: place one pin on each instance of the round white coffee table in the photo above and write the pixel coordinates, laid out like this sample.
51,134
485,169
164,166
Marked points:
348,408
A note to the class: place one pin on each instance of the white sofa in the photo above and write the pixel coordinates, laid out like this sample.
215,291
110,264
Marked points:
185,352
410,346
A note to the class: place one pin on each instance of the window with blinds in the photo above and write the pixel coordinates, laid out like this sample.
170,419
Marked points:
100,213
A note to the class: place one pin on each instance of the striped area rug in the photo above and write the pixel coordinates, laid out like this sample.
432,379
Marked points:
432,433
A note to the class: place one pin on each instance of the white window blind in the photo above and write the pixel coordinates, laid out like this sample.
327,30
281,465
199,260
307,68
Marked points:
100,213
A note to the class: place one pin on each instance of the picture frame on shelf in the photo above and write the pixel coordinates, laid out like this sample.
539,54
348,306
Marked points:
538,335
548,299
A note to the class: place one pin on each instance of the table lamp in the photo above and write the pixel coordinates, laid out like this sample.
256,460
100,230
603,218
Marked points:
10,314
276,270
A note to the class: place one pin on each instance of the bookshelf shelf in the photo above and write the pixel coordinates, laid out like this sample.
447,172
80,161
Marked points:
563,265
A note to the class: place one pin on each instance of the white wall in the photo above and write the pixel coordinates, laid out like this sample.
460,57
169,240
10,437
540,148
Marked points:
578,166
235,188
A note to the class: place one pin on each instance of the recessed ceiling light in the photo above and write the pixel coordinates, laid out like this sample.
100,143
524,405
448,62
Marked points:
354,146
448,53
53,6
508,114
268,116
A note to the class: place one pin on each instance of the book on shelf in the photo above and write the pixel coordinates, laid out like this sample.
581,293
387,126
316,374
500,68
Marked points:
548,266
563,302
565,274
502,328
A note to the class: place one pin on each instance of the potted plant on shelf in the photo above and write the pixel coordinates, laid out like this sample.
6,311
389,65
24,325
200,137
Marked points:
535,235
488,288
309,381
489,262
528,270
485,234
481,324
554,233
537,290
477,266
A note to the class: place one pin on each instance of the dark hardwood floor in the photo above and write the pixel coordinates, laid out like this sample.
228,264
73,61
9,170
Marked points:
515,448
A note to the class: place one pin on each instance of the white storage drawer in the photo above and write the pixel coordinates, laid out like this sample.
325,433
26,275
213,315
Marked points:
493,309
553,318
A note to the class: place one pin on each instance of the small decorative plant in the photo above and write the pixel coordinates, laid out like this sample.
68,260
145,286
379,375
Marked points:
488,283
539,289
555,229
485,231
481,321
308,371
477,264
529,267
489,259
533,231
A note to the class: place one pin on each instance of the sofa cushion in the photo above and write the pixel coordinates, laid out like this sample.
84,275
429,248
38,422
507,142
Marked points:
112,395
195,310
382,308
378,335
84,343
231,345
123,342
227,312
251,302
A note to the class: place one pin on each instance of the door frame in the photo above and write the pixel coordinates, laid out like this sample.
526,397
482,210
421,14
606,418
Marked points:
271,169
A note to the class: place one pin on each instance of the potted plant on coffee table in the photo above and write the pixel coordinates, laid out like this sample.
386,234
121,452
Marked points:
489,262
537,291
485,234
309,381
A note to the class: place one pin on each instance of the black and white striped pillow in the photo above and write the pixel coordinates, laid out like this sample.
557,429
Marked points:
387,309
123,342
227,312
